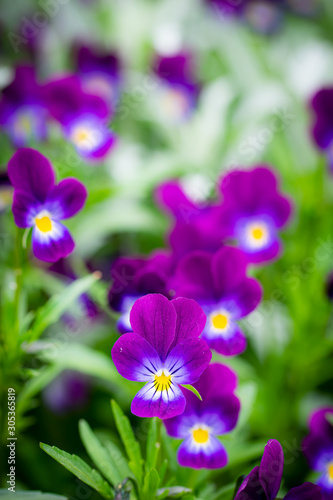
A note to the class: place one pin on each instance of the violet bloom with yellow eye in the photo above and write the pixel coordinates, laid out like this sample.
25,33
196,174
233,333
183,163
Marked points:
322,131
253,211
179,89
41,204
23,112
218,282
83,117
202,421
263,482
318,449
99,73
164,351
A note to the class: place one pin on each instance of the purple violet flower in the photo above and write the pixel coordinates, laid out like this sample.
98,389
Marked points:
134,277
179,88
197,226
23,112
82,116
164,351
252,212
322,131
6,192
202,421
40,204
318,449
67,392
218,282
99,73
263,482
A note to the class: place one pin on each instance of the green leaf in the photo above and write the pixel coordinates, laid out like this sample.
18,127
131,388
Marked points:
153,446
117,457
192,389
99,455
30,495
80,469
172,492
150,485
57,305
131,445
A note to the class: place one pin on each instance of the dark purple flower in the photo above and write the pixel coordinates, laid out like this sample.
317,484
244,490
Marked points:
164,351
197,226
329,286
69,391
218,282
134,277
252,212
202,421
179,89
322,106
83,117
40,204
99,73
263,482
318,448
23,111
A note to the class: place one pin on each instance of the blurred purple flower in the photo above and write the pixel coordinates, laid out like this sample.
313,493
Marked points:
318,448
82,116
100,73
322,106
23,111
6,192
263,482
41,204
164,351
196,225
329,286
202,421
134,277
252,211
67,392
179,87
218,282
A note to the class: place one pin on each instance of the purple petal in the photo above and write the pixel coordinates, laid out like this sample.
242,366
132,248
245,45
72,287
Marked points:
134,358
52,246
221,414
25,206
251,488
194,275
171,197
154,318
230,344
280,210
191,320
268,254
229,269
91,60
68,198
307,491
210,455
319,423
30,171
163,404
322,104
271,468
187,361
247,297
216,380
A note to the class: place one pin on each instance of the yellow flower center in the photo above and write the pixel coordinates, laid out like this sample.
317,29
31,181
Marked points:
330,471
162,382
200,435
220,321
258,233
44,223
80,135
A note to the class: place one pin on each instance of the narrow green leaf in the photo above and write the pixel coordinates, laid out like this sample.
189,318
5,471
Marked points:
131,445
57,305
173,492
80,469
99,455
150,485
192,389
30,495
153,446
117,457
